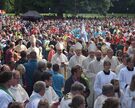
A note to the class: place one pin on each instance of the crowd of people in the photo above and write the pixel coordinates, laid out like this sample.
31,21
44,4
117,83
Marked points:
67,63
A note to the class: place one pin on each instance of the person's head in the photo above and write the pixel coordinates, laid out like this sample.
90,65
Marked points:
12,45
130,62
23,54
77,71
110,53
124,59
115,83
107,65
132,84
77,88
16,78
108,90
119,55
133,43
49,65
11,64
56,67
33,55
98,55
111,102
6,79
15,105
39,87
78,49
21,69
47,78
42,65
4,68
59,48
43,104
78,101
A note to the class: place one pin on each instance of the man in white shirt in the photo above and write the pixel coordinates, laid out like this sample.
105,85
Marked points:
38,93
50,94
107,91
103,77
131,49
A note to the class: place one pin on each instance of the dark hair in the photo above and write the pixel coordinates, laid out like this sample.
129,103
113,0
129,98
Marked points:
33,55
111,103
55,67
5,77
129,59
75,69
77,101
49,65
46,76
132,84
23,54
15,105
106,62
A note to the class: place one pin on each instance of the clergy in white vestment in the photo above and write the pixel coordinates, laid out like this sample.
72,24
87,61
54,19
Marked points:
76,59
103,77
5,83
17,91
60,59
131,49
50,94
126,74
94,67
34,48
130,94
122,65
107,91
113,59
91,57
38,93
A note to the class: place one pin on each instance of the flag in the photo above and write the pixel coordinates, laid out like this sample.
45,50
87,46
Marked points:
84,34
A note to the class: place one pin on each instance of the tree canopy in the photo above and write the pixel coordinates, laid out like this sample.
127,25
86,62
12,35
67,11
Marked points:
68,6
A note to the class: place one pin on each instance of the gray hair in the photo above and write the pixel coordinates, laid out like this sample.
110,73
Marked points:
77,86
41,64
39,86
107,88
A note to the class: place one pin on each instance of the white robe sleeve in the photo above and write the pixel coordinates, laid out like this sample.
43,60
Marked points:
122,80
128,98
97,84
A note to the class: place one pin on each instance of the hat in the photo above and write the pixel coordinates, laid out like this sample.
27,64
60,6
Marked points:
59,46
92,47
78,46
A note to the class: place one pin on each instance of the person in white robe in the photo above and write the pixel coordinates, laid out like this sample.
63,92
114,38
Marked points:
17,91
113,59
91,57
126,74
76,59
131,49
50,94
130,94
94,67
60,59
34,48
107,91
122,65
103,77
5,83
38,93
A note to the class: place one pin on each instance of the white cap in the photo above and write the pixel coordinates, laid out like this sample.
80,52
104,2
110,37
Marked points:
59,46
92,47
78,46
